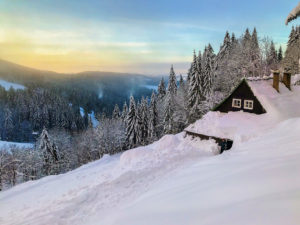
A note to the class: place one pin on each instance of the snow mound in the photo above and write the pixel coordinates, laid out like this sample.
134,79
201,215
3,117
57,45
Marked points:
168,149
7,85
256,185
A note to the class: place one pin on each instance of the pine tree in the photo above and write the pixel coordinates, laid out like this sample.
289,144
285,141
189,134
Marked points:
169,123
124,111
131,121
161,88
272,57
291,60
195,92
234,41
246,39
254,51
208,74
8,124
139,124
254,39
50,153
144,121
172,85
181,81
279,56
224,51
153,118
116,112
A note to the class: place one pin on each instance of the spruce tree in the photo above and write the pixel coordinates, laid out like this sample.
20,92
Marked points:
124,111
208,73
116,112
169,123
153,118
49,152
272,57
131,120
181,81
161,88
279,56
172,85
246,41
195,91
145,120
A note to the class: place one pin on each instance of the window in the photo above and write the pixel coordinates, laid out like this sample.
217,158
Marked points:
236,103
248,104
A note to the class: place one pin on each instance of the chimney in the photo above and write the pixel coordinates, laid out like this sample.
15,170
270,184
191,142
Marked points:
276,80
287,80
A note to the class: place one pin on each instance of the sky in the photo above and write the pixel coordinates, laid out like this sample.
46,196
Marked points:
137,36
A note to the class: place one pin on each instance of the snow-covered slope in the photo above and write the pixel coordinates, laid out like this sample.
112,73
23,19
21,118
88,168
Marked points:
8,145
7,85
179,181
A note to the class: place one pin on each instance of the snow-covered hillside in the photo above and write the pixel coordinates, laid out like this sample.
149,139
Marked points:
7,85
8,145
178,180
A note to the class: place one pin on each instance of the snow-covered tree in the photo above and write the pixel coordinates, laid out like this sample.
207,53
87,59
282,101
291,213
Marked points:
144,120
153,118
169,124
172,85
272,57
161,88
291,61
116,112
49,152
279,55
195,91
131,124
124,111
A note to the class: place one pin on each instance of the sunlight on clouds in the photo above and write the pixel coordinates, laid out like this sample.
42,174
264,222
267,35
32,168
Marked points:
73,51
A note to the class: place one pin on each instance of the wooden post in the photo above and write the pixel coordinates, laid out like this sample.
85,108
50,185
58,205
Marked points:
276,80
287,80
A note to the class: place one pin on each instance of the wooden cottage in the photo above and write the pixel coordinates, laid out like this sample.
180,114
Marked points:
241,98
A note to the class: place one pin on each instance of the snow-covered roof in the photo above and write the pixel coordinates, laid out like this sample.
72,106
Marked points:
241,126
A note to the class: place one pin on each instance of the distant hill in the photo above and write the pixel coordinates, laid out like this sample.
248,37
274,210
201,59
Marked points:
94,90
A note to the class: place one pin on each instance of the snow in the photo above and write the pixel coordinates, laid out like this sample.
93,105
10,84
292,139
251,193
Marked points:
8,145
95,122
179,180
104,185
7,85
295,79
81,111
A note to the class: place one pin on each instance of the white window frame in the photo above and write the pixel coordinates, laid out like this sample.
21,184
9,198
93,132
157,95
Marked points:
246,105
236,106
